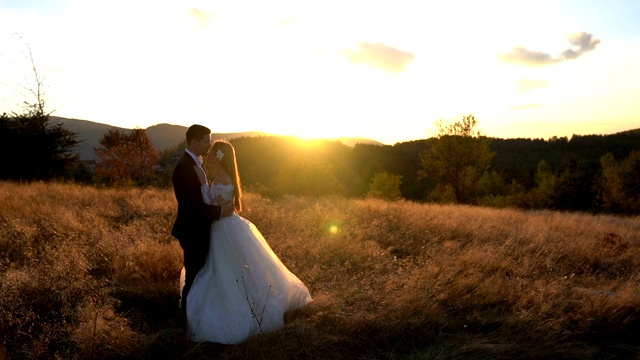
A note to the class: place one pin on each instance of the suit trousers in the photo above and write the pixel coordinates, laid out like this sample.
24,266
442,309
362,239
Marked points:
194,260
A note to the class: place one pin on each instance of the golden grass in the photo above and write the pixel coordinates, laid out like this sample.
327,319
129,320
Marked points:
93,273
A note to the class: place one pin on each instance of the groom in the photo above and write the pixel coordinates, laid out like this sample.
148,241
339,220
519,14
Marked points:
193,223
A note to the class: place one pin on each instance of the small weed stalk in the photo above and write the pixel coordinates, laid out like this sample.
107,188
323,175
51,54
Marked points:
258,316
95,327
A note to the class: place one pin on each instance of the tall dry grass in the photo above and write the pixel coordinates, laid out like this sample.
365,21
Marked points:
93,274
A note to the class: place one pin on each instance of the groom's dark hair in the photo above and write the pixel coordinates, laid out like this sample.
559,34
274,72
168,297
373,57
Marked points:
196,132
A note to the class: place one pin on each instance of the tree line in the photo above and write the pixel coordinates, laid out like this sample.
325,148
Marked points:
595,173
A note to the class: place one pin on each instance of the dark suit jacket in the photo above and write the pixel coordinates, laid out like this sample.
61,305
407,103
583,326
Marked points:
193,223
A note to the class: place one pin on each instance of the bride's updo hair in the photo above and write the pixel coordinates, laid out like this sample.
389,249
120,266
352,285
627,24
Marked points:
230,166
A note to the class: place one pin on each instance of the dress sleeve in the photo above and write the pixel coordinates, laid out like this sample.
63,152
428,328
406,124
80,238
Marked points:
221,194
204,189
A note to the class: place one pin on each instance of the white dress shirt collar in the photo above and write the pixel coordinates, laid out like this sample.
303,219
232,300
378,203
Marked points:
196,158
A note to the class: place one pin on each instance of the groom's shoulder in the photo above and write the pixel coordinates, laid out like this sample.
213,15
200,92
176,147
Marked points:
180,167
183,163
184,158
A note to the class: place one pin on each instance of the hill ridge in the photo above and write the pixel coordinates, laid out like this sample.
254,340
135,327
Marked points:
163,135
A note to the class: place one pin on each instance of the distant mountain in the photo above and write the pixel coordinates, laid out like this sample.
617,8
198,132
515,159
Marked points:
87,132
163,136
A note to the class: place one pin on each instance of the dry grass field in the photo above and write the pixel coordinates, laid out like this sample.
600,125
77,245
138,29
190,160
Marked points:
89,273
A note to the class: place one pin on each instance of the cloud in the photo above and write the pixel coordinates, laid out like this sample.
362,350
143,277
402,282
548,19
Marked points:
526,106
525,85
380,56
580,44
286,22
583,41
201,16
521,55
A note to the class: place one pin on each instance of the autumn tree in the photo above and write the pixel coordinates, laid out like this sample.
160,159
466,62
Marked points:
126,158
458,158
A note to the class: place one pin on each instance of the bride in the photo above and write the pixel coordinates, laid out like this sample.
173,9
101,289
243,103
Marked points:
243,289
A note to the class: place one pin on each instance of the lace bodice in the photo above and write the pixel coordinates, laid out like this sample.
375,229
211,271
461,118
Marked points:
217,194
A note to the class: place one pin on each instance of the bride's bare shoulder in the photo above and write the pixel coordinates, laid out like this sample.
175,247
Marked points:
222,179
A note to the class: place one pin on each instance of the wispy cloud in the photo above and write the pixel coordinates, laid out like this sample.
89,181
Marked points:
580,44
202,17
520,55
380,56
526,106
286,22
525,85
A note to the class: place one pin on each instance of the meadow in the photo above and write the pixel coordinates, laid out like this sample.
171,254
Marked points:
92,273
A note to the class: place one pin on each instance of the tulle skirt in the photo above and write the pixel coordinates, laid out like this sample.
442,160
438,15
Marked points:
243,289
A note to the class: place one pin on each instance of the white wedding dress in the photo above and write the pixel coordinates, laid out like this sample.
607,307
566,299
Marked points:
243,289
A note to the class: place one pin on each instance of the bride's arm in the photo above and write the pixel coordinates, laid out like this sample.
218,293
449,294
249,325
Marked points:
219,196
204,189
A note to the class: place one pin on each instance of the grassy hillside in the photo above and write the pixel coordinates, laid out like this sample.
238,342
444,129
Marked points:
92,273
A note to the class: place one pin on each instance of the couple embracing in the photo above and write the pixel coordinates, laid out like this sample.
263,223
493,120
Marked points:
233,285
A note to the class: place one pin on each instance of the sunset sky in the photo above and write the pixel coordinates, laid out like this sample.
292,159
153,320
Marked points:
385,70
